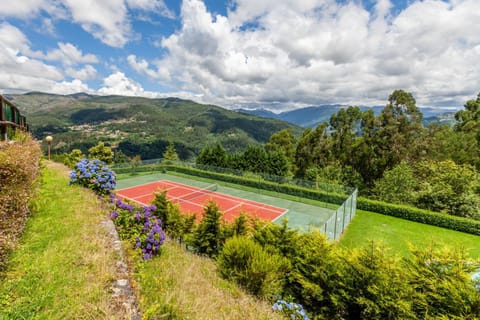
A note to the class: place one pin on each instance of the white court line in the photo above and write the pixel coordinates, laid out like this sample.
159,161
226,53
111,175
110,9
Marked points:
277,218
234,207
146,183
233,198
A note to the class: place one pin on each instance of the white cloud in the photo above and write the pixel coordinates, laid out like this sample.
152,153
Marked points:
106,20
157,6
69,54
142,66
320,51
119,84
66,87
86,73
18,69
23,8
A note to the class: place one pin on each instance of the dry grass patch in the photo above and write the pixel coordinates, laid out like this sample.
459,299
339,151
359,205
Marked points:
180,285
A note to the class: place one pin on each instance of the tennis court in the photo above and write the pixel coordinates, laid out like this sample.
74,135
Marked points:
300,215
192,200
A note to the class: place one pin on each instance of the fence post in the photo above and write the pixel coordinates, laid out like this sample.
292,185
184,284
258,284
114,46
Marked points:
335,227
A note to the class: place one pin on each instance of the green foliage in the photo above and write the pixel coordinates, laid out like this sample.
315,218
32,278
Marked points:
277,238
283,141
448,187
441,284
170,153
397,185
314,273
177,225
420,215
213,156
440,186
19,173
239,227
373,286
73,157
209,236
101,152
248,264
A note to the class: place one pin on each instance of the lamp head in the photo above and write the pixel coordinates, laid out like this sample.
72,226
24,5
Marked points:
48,139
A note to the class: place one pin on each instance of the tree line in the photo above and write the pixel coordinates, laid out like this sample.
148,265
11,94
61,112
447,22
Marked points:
391,156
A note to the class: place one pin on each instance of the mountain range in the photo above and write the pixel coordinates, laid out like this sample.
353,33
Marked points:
310,117
141,126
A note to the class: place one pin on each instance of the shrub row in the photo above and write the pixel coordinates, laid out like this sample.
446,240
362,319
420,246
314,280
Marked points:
420,215
19,171
262,184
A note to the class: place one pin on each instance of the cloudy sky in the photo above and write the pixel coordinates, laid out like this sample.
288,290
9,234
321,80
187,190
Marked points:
278,54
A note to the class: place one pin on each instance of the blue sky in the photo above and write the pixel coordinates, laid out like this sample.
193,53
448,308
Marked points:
277,54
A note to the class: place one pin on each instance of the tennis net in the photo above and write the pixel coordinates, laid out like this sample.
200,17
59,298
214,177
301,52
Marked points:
197,193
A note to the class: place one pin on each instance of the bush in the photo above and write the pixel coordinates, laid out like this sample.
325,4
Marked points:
139,226
95,175
209,236
19,172
419,215
248,264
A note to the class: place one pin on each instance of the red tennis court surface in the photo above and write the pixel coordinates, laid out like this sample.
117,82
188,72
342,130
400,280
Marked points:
229,205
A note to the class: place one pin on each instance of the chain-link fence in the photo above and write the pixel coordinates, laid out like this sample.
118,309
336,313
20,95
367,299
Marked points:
341,200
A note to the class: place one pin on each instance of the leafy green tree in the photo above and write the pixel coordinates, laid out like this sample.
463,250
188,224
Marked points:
448,187
73,157
284,142
468,123
400,126
254,158
276,163
468,120
101,152
209,236
313,149
161,203
213,156
170,153
398,185
120,157
345,126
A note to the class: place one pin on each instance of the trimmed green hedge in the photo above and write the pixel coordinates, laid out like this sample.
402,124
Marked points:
262,184
400,211
419,215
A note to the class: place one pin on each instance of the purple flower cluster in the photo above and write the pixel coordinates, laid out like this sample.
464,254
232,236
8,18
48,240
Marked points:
141,224
93,174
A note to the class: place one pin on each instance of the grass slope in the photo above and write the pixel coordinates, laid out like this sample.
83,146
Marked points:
63,265
182,285
397,234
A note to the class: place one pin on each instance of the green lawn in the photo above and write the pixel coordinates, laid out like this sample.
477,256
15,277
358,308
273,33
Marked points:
63,266
396,234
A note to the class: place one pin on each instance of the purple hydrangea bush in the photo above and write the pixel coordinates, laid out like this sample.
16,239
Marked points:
95,175
140,225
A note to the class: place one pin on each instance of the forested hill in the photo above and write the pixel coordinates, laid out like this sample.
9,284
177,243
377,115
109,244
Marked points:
141,126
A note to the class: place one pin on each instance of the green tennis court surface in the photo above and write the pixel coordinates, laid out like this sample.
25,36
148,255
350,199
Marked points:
299,215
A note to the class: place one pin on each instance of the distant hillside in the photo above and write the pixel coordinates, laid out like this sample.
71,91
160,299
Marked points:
141,126
310,117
